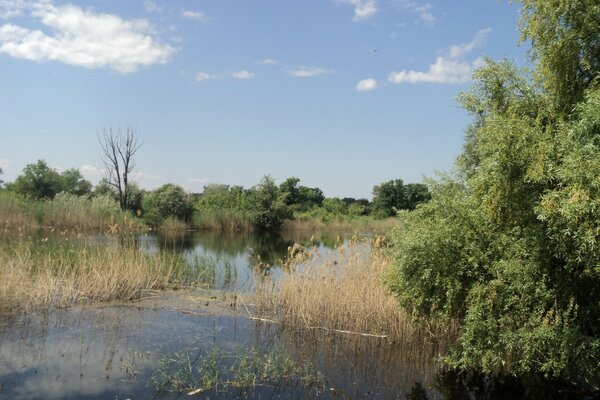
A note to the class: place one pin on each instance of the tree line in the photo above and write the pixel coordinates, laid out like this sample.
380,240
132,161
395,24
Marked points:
264,206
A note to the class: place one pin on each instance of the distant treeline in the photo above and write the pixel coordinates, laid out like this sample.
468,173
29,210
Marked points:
265,206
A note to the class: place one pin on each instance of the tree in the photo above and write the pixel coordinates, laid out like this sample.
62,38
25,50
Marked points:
167,201
510,247
1,181
415,194
118,150
74,183
389,197
38,181
298,197
268,205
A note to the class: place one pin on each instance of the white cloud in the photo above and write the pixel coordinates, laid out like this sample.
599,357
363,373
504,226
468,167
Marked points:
366,84
363,9
11,8
449,68
269,61
242,75
85,38
424,11
307,72
195,15
152,7
204,76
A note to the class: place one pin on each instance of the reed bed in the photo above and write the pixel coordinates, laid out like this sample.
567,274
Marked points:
348,224
41,274
223,221
173,225
65,212
343,292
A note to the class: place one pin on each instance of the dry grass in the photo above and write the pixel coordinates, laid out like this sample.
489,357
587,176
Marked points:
38,275
342,291
173,226
65,212
341,225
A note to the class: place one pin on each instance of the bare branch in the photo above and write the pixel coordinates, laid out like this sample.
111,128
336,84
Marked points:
118,149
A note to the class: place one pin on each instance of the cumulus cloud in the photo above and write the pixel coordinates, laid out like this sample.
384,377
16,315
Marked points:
205,76
363,9
366,84
449,68
195,15
85,38
307,72
11,8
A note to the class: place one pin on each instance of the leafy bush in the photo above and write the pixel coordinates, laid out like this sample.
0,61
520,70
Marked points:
510,247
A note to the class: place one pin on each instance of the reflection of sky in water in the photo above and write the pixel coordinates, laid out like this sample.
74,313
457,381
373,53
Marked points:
92,352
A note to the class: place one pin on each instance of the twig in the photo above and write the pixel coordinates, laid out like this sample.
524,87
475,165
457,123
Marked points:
350,332
264,320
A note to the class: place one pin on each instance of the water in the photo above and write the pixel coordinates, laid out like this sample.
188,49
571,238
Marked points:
125,350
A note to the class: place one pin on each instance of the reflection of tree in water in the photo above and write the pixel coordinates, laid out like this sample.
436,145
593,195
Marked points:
455,385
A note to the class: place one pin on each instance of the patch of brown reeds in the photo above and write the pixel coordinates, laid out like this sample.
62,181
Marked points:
343,291
363,224
35,276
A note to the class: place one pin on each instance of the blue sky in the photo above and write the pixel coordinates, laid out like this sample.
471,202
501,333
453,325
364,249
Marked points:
344,94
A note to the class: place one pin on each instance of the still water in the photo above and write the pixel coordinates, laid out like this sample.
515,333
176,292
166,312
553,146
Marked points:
144,349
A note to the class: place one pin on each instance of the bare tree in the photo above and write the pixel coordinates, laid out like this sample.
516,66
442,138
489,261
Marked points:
118,149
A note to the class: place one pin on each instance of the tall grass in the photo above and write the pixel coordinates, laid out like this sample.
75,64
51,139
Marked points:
342,291
41,274
222,220
339,223
65,211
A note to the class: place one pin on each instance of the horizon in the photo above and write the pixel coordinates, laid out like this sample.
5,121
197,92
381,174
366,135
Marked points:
343,94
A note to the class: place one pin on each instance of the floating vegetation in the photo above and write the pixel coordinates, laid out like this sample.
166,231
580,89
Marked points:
198,371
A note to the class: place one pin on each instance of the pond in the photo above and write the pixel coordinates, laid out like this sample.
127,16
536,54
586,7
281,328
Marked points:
202,341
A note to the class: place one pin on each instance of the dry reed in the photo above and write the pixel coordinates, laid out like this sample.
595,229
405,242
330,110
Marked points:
43,275
341,225
65,212
342,291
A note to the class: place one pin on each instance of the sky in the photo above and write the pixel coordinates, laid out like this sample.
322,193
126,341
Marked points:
343,94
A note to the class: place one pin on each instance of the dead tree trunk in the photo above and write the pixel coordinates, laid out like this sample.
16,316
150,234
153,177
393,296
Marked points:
118,149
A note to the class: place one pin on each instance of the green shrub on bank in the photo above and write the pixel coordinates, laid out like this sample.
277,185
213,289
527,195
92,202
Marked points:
510,247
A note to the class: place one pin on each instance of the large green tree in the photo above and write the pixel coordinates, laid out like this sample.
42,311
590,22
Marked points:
39,181
510,247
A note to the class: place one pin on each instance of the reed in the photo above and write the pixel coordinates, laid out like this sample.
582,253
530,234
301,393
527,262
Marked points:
223,221
65,212
173,225
342,223
39,274
342,291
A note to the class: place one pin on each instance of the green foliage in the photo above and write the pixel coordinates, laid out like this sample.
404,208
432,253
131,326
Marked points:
74,183
300,198
511,247
392,196
268,205
167,201
39,181
263,207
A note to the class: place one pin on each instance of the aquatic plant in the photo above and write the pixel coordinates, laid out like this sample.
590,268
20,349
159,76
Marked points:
41,273
342,291
197,371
